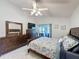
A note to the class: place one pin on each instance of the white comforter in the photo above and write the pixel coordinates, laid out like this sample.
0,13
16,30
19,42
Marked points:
45,46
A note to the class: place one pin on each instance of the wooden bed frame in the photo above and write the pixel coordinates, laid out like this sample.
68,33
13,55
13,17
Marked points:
45,57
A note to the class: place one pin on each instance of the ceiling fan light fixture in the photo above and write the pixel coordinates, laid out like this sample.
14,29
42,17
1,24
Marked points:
35,11
39,13
36,14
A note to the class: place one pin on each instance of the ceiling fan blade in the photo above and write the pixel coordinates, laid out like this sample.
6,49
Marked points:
42,9
26,9
34,5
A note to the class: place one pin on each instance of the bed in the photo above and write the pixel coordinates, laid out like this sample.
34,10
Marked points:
44,46
70,50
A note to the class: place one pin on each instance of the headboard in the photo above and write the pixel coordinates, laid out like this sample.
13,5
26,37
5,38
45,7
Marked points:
13,29
74,32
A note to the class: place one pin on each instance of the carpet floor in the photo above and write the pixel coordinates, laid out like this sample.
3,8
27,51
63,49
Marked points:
20,53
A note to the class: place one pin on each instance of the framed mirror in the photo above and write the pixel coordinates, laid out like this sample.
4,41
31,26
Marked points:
13,29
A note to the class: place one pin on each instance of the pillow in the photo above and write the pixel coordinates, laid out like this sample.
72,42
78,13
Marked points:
60,40
69,42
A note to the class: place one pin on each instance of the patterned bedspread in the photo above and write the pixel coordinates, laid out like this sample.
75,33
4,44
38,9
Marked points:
45,46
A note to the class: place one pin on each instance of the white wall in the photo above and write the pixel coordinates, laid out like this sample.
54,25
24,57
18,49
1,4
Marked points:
11,13
75,18
60,21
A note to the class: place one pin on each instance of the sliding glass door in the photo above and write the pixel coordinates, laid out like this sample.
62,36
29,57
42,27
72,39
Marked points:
45,30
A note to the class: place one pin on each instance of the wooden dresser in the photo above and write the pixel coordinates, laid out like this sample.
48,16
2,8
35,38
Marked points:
11,43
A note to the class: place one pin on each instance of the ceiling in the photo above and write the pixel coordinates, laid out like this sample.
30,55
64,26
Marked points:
57,8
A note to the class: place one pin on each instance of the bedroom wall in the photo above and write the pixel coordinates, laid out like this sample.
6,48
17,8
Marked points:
56,22
75,18
11,13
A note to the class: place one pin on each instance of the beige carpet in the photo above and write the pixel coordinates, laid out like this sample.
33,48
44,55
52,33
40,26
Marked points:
32,55
20,53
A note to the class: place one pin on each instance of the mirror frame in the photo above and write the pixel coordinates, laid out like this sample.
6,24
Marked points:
8,30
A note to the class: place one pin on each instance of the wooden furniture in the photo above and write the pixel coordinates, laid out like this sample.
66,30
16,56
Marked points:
13,29
31,36
8,44
14,38
72,53
74,32
43,56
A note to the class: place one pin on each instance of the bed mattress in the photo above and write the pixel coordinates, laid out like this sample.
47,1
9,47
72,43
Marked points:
45,46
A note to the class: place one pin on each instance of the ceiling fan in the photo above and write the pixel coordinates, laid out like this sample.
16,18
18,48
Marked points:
35,11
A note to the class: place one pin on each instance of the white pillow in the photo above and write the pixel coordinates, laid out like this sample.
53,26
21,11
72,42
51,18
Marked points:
62,39
69,42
